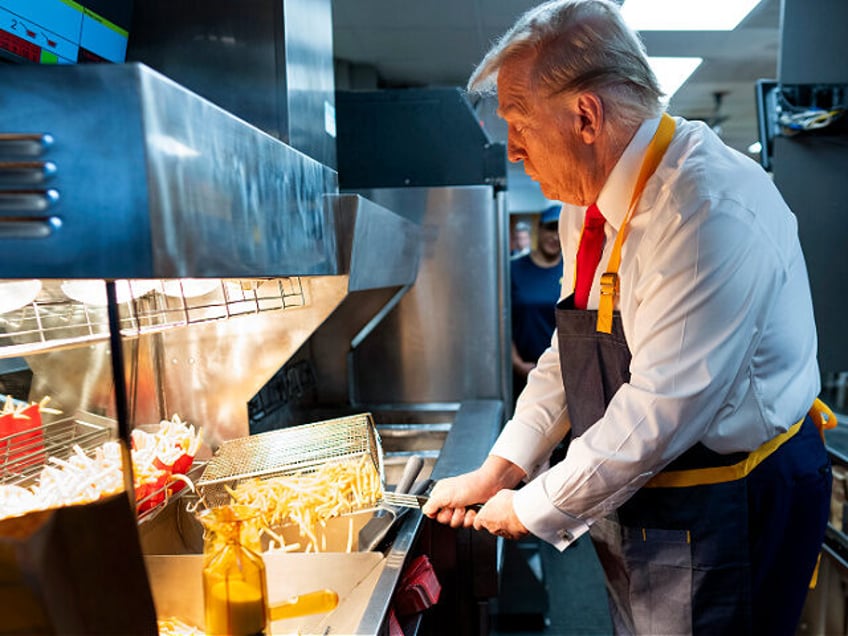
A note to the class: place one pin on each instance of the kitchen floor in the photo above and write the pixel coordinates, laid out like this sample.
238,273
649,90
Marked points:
575,603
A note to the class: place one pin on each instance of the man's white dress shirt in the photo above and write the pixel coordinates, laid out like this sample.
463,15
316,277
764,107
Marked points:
716,309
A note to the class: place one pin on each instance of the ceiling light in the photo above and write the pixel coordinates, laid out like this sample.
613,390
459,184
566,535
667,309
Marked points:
672,72
755,148
686,15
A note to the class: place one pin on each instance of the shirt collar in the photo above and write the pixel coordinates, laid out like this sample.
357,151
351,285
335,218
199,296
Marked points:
614,198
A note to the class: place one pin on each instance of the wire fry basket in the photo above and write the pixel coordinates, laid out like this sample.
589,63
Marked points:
287,451
24,454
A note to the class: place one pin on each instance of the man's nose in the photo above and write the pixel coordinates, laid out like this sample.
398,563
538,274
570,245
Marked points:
514,150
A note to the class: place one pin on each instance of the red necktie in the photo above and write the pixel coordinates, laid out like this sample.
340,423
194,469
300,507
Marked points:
588,255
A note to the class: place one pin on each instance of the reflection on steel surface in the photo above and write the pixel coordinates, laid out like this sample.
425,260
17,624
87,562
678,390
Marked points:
74,312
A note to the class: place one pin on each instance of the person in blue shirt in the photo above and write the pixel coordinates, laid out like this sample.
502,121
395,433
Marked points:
536,282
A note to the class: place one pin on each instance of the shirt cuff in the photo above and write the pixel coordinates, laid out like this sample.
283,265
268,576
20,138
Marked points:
517,443
544,520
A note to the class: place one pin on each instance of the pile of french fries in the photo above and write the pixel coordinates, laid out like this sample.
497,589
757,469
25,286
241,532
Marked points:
309,499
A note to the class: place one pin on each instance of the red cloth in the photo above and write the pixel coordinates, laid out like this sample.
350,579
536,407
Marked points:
588,255
419,588
394,625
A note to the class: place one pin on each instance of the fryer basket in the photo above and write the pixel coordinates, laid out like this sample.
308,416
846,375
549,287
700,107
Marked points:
290,450
24,454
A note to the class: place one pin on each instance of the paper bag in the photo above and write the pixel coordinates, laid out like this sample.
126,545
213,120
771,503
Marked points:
75,570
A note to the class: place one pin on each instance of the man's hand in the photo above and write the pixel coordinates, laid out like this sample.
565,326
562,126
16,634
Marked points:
498,517
450,496
448,501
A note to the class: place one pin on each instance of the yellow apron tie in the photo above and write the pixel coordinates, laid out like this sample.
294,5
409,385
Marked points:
819,413
609,279
822,417
721,474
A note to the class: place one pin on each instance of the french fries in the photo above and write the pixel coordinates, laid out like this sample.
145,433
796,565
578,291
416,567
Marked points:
17,409
309,499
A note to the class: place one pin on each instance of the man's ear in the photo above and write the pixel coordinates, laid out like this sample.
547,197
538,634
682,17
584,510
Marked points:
590,110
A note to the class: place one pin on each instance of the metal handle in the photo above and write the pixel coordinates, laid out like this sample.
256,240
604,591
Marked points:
415,501
11,229
309,603
24,213
410,473
422,487
27,201
25,144
26,173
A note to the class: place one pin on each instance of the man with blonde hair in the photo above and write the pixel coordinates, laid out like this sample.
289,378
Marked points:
684,361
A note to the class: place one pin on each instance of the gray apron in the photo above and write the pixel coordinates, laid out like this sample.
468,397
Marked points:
680,560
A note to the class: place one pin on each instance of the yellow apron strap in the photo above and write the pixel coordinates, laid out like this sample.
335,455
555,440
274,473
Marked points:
822,417
824,420
814,580
609,280
721,474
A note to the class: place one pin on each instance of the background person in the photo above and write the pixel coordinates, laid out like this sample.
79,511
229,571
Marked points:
519,240
535,286
694,464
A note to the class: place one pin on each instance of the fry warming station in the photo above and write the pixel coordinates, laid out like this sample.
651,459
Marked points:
190,255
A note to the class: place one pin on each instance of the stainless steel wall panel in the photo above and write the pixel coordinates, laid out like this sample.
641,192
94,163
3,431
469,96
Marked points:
810,173
310,82
270,62
381,254
444,341
813,46
225,51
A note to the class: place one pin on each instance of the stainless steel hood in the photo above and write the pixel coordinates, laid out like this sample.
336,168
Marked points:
115,171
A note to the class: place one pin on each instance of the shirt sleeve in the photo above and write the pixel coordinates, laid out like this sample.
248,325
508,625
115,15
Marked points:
701,291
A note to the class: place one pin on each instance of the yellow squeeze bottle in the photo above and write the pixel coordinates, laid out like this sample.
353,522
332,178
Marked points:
235,607
234,584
